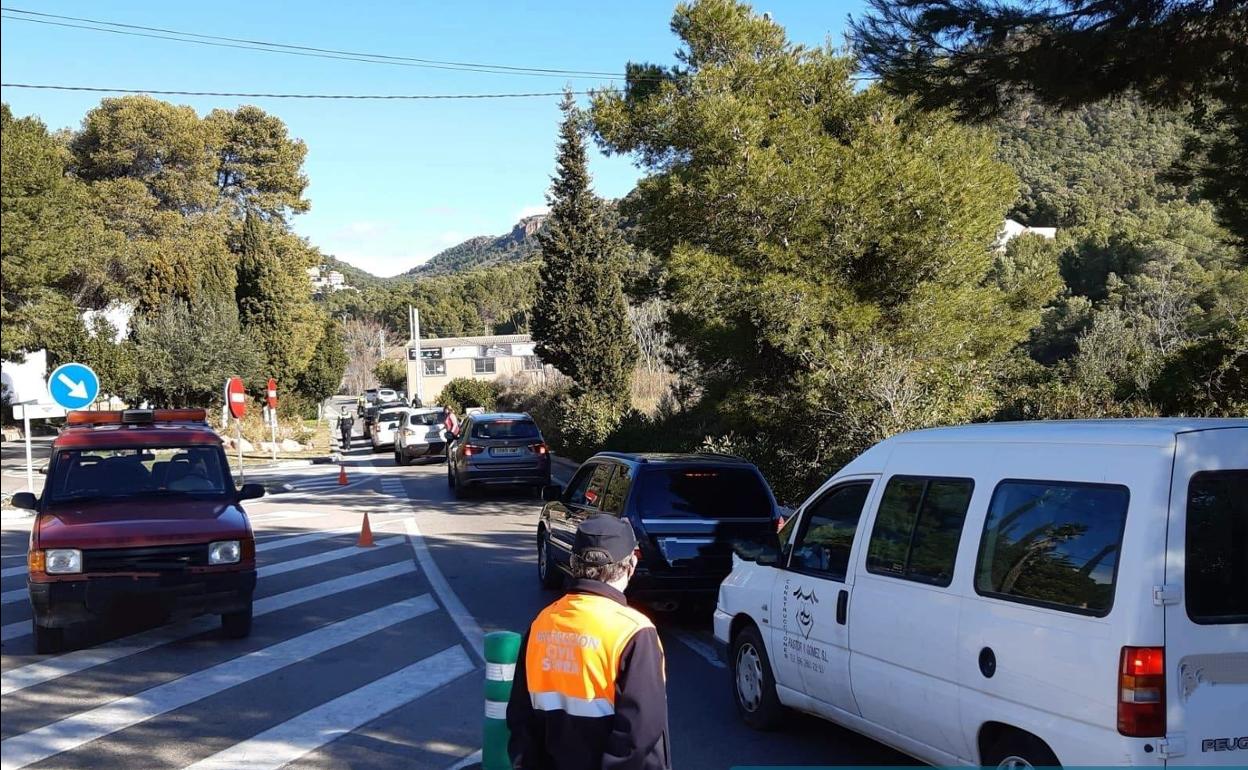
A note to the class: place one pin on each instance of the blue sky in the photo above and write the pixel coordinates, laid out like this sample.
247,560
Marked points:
392,183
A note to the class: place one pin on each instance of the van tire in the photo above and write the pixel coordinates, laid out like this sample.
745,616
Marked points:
236,625
1019,750
48,641
758,705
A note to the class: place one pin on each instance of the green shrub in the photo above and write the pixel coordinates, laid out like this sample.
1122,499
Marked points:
463,393
586,422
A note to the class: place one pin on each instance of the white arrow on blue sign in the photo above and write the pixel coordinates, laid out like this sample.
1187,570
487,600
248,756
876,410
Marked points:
73,386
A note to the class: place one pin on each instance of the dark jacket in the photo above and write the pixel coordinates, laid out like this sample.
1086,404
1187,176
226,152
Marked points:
633,737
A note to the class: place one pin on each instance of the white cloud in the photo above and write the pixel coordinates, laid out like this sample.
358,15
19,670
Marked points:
529,211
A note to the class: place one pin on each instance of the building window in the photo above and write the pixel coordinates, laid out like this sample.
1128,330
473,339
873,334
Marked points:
434,368
482,366
532,363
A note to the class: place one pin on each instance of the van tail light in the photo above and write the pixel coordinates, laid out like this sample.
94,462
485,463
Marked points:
780,522
539,448
1142,692
472,449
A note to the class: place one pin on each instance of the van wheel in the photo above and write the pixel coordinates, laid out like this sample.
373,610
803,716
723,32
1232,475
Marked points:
48,641
236,625
547,571
1020,750
753,685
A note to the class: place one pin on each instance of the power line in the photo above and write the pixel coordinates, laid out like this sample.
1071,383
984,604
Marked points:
297,50
390,97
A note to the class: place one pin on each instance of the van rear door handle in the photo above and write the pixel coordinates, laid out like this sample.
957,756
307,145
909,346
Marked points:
842,606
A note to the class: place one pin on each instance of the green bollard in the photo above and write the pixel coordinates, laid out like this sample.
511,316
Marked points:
501,650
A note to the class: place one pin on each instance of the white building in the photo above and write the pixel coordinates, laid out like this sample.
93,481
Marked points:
443,359
1011,230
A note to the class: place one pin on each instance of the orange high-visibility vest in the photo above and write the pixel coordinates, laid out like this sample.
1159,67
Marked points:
573,654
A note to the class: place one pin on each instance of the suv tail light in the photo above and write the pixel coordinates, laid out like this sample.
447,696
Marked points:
472,449
1142,692
539,448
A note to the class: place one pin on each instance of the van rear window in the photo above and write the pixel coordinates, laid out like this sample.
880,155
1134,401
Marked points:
1054,544
703,493
1217,547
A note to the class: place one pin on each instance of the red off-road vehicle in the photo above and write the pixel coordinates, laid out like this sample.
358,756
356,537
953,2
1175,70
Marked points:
139,510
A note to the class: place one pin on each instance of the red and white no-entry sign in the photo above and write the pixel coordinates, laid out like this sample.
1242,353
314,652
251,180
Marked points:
270,393
236,397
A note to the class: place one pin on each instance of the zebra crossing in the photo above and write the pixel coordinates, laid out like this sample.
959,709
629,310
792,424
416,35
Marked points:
350,650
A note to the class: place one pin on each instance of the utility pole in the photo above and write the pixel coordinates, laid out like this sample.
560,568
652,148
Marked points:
416,389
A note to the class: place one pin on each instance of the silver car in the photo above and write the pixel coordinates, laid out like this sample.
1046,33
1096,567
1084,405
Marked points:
498,449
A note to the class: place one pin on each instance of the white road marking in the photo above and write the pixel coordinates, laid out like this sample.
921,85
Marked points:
471,759
264,517
48,669
462,618
292,739
700,647
320,558
72,732
11,571
16,595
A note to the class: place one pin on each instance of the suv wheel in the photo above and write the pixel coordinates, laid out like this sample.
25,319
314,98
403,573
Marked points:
753,685
236,625
1019,750
400,458
547,572
48,641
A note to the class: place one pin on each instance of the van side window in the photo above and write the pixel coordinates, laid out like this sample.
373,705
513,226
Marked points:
617,490
1053,543
918,527
1217,547
827,534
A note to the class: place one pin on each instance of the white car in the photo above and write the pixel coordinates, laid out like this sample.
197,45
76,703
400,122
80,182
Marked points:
386,395
421,433
1018,594
385,425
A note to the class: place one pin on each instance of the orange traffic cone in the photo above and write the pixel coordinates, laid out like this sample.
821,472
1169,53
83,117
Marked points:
342,475
366,534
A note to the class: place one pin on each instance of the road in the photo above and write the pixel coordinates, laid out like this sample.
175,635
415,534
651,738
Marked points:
359,657
13,464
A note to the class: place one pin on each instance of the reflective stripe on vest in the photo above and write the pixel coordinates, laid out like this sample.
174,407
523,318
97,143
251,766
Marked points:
573,706
574,650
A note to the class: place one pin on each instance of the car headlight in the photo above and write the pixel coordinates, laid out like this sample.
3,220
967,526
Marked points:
62,561
224,552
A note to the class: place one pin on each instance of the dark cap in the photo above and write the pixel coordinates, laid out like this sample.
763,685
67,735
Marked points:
603,539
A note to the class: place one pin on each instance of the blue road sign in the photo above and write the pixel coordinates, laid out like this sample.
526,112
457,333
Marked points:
73,386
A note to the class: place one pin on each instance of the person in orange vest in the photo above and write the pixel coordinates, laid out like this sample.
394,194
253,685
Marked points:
589,688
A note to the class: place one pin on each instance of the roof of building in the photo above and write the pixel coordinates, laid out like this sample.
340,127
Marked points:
492,339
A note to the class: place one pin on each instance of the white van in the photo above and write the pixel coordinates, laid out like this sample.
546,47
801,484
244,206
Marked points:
1013,594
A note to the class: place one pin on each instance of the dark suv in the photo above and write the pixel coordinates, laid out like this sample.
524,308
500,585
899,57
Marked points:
497,449
688,511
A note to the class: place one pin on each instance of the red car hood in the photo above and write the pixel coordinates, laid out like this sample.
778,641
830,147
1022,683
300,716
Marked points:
112,523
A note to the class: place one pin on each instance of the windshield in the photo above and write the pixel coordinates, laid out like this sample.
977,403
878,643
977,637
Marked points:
505,429
112,473
703,493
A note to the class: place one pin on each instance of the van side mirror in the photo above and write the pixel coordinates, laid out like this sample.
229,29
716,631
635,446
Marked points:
552,492
26,501
251,492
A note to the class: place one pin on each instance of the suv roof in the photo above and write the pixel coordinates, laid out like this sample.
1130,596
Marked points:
501,416
119,434
672,458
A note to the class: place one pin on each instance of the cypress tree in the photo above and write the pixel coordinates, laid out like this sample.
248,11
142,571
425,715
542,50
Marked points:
580,314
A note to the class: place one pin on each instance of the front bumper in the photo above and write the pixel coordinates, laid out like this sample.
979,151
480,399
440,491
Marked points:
180,595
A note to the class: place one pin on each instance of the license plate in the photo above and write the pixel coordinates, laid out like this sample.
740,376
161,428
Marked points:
505,450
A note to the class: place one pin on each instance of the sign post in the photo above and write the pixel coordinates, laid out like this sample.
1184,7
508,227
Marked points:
236,402
72,386
270,397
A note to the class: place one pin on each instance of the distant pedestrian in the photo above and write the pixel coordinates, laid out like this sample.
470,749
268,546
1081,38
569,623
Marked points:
589,688
450,422
345,423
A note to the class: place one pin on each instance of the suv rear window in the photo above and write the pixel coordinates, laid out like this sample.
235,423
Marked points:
1054,544
83,474
505,429
1217,547
702,493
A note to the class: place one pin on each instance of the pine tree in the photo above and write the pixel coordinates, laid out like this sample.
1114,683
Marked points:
580,315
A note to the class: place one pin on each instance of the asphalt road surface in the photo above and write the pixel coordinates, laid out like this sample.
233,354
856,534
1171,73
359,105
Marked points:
359,657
